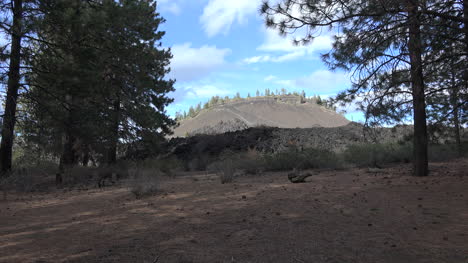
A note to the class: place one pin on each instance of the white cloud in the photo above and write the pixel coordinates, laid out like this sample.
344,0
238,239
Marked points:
257,59
191,63
319,82
270,78
219,15
170,6
275,43
281,49
205,91
323,81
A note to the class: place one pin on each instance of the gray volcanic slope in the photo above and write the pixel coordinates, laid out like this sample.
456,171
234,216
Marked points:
261,111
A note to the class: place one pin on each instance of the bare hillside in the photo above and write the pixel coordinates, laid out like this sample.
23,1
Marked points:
273,112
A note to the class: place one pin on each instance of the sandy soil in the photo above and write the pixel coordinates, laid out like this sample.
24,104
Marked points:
337,216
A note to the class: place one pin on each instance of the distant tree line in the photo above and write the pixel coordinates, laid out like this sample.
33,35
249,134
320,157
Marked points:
217,100
83,79
408,58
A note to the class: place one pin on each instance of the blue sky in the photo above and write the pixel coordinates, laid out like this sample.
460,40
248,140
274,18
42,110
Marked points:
221,47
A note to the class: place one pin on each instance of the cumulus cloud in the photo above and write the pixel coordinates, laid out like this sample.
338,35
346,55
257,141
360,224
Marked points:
281,49
191,63
273,42
257,59
270,78
205,91
323,81
170,6
219,15
319,82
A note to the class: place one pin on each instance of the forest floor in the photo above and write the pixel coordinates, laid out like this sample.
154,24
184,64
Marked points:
355,215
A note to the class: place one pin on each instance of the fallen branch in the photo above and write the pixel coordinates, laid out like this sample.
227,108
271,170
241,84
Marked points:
295,177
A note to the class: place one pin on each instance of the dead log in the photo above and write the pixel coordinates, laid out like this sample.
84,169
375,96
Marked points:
296,177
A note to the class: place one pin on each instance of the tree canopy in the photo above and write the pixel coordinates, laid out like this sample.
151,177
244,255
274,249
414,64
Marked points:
93,78
395,50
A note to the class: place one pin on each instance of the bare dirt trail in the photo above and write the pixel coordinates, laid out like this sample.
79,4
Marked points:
354,215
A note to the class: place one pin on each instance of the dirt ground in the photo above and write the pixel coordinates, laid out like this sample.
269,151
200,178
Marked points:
356,215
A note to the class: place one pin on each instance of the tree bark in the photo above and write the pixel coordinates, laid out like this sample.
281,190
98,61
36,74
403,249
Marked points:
454,104
68,158
465,74
465,26
112,155
9,118
417,80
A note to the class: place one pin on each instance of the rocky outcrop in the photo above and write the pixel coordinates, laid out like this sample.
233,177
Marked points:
273,140
221,127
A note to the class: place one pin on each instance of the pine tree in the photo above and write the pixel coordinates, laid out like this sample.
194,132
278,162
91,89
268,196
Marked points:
384,44
191,112
22,12
318,100
98,76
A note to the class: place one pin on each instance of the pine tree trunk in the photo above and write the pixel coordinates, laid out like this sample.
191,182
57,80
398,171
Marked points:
465,75
417,79
455,113
112,155
86,156
465,26
9,118
68,158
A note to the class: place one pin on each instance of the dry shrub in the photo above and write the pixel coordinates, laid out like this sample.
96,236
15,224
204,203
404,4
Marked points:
447,152
199,163
143,183
24,180
225,170
374,155
89,177
307,159
168,166
252,162
81,177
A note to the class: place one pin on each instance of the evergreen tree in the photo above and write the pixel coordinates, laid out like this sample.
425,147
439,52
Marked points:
318,100
98,76
191,112
383,43
16,17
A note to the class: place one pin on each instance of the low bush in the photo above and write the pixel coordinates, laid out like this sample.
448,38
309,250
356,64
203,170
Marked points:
143,183
251,162
224,169
81,177
167,166
199,163
307,159
445,152
374,155
20,180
